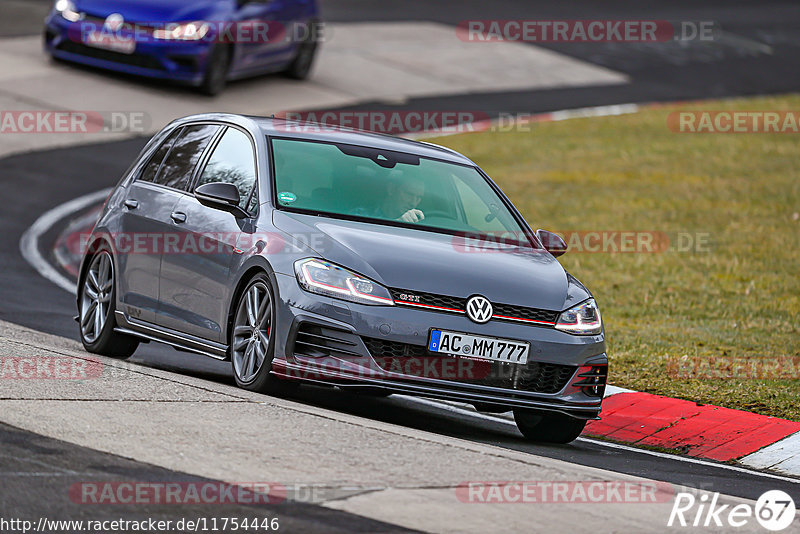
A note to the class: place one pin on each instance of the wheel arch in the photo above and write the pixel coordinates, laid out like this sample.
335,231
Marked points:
249,270
98,242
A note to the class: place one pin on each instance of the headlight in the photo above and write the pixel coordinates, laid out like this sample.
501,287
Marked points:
192,31
66,8
583,319
323,278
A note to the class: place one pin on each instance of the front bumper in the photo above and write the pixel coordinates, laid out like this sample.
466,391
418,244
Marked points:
182,61
329,341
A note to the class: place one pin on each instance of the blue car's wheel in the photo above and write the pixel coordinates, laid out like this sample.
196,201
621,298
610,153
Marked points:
216,75
300,67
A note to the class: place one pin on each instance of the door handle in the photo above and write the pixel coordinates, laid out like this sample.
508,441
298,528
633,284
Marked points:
178,217
131,204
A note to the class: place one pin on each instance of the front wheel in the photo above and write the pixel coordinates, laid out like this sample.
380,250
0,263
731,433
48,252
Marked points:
300,67
547,427
216,74
96,309
252,339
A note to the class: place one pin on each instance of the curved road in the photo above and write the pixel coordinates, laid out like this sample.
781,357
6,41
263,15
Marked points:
757,56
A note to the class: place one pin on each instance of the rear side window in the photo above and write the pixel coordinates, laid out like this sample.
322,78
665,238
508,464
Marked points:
179,165
233,162
151,170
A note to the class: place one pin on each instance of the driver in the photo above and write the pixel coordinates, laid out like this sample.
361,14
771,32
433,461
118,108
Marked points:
400,203
402,199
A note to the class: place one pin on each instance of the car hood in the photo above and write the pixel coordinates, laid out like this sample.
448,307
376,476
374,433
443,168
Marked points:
415,260
149,11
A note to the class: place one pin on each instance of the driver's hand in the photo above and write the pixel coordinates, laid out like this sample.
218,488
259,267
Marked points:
412,216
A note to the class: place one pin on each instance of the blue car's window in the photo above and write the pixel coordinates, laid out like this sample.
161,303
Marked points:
179,165
150,171
233,161
346,180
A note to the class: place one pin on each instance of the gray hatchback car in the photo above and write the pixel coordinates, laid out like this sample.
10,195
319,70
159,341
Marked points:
304,253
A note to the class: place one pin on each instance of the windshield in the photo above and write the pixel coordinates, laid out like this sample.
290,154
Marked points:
389,187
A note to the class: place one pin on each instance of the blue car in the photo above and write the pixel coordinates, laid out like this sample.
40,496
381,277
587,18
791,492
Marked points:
202,43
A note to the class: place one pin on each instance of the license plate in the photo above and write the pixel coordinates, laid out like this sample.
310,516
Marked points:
480,347
107,41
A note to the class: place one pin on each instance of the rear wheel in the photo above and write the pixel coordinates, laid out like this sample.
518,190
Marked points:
547,427
252,339
96,310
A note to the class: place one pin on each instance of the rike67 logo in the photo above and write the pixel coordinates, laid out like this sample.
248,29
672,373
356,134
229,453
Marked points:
774,510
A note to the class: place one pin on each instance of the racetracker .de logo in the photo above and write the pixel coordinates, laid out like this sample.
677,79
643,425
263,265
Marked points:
73,122
574,492
176,493
591,241
124,37
384,121
708,121
583,31
49,368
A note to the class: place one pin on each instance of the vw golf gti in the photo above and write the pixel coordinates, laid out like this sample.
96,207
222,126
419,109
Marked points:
304,253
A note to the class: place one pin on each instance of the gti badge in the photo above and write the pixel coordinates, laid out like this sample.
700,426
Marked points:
479,309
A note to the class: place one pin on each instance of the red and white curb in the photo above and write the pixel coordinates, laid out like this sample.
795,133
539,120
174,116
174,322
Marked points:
699,430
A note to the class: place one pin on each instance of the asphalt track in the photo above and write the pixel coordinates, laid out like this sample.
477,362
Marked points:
39,473
33,183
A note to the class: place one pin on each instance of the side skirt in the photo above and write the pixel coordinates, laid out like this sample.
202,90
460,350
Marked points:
176,339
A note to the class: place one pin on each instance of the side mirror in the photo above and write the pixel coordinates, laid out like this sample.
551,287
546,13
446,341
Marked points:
221,196
552,242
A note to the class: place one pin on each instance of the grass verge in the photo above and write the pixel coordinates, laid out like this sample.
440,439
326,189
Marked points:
717,324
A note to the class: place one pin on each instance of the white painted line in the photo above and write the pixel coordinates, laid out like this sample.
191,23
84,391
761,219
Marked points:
548,116
29,243
783,455
613,390
686,459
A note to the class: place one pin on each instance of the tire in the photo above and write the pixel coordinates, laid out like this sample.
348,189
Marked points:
547,427
251,339
300,67
96,307
215,77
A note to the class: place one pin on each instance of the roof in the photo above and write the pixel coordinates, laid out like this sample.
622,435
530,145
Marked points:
334,134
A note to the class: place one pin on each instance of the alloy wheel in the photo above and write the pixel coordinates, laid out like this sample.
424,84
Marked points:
252,332
96,295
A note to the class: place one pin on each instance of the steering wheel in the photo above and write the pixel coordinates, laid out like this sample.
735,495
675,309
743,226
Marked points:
441,214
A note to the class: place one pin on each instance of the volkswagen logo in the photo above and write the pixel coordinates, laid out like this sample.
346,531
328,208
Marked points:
114,22
479,309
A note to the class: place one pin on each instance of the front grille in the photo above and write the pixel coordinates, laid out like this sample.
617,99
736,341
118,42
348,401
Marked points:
135,60
429,299
537,377
532,314
502,312
320,342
